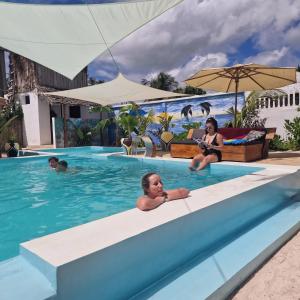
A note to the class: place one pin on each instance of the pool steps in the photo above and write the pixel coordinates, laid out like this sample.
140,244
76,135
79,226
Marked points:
20,280
217,276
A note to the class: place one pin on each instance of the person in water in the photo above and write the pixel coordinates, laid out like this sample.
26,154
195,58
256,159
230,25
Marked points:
212,146
53,161
154,194
62,166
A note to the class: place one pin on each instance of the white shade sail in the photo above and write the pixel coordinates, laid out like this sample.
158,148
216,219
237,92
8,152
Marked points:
115,91
66,38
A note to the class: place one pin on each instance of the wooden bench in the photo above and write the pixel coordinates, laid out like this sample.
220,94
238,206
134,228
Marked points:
239,153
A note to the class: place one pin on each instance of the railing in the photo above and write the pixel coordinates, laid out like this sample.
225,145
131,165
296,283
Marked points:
289,100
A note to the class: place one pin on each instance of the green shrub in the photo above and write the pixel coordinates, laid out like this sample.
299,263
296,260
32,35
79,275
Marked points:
278,144
293,132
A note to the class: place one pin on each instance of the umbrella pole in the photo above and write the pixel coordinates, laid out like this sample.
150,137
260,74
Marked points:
235,104
65,126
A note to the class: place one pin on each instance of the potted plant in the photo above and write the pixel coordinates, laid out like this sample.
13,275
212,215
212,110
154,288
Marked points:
12,148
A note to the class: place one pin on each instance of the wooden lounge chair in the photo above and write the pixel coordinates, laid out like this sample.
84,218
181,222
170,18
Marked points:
251,151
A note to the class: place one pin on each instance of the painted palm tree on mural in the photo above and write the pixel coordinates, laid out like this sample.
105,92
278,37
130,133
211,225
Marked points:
187,110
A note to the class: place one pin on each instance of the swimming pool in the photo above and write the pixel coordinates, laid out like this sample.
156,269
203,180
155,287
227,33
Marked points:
36,201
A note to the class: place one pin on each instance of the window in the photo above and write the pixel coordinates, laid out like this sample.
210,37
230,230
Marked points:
286,101
296,98
27,99
75,111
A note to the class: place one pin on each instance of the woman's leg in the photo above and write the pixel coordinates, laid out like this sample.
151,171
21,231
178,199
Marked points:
207,160
196,161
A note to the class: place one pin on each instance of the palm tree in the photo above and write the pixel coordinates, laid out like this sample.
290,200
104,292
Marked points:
162,81
5,130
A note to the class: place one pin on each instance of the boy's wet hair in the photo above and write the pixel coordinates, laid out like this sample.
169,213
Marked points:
53,158
63,163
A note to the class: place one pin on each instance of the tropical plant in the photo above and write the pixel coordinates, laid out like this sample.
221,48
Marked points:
278,144
162,81
144,121
182,135
132,118
8,115
298,68
293,132
190,90
5,131
248,117
194,125
165,120
107,117
93,81
83,134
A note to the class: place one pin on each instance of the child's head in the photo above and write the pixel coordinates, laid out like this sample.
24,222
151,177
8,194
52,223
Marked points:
62,166
53,161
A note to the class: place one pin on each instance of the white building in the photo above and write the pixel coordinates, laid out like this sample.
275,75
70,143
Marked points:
38,113
276,111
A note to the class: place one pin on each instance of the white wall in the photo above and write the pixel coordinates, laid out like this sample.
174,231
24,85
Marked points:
277,115
44,120
36,129
31,128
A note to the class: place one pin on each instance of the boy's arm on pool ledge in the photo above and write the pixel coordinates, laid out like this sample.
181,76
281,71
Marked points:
146,203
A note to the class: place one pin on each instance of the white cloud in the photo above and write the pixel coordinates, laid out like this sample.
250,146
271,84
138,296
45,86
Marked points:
197,63
198,34
268,57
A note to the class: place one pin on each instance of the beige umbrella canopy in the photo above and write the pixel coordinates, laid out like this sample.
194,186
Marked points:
240,78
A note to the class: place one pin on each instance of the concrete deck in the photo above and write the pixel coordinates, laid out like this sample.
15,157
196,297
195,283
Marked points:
279,278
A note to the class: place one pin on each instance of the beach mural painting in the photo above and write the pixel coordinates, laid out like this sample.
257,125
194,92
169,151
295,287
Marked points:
196,109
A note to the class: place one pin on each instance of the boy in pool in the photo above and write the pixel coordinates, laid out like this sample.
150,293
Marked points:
62,166
53,161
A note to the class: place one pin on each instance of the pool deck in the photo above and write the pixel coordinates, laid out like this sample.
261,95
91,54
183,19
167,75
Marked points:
279,278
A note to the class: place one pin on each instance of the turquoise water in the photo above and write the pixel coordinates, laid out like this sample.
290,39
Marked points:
36,200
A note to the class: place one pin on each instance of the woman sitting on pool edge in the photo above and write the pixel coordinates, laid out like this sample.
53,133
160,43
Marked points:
211,152
154,195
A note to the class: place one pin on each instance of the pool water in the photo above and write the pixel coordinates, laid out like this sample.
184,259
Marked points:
36,200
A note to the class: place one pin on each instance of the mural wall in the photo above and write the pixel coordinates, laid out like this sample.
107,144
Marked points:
194,110
79,132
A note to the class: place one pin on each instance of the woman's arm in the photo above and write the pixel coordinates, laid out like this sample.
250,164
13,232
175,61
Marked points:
147,203
177,194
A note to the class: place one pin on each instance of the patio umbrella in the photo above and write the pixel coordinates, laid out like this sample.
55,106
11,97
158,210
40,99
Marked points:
240,78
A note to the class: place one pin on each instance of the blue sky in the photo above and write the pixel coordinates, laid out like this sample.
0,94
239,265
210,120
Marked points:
205,33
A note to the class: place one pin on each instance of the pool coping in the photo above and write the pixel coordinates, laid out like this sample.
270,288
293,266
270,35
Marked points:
71,244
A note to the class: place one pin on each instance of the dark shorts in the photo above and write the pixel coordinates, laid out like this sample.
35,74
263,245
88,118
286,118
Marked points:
213,151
